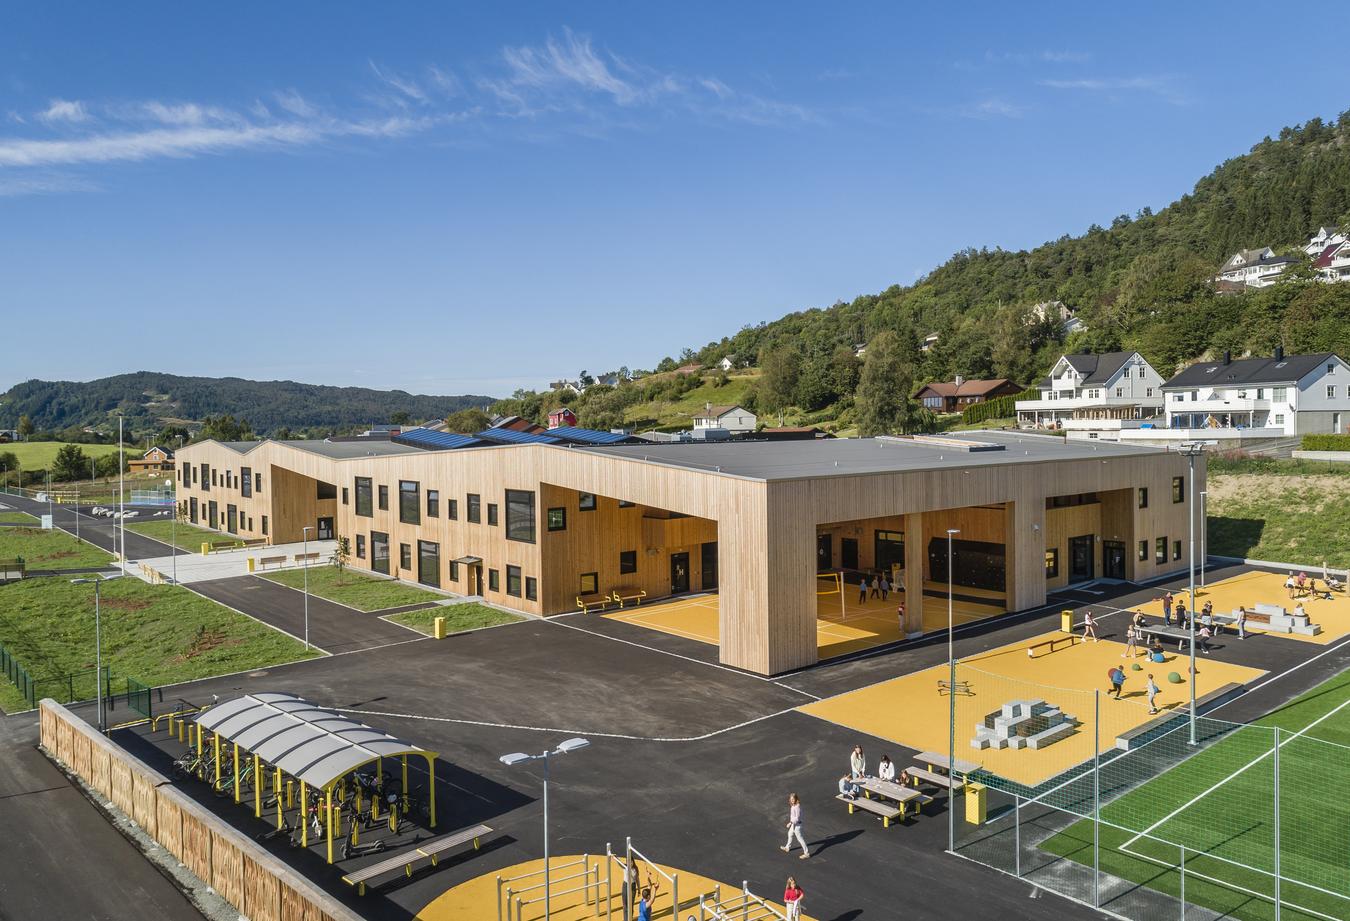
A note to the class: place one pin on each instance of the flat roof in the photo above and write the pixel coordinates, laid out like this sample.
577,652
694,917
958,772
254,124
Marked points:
338,450
790,460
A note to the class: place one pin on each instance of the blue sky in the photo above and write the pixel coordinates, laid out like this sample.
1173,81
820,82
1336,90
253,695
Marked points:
473,199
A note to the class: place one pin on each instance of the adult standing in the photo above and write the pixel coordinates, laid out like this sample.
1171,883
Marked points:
1167,609
1131,640
1089,626
794,826
1242,622
857,763
792,899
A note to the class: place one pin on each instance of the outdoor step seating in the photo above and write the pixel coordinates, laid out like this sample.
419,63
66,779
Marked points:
1168,720
429,851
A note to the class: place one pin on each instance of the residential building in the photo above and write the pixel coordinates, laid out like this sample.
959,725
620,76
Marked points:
1282,394
954,396
7,435
1333,263
1254,268
572,386
1057,312
1325,236
692,367
734,419
156,460
728,363
1115,385
929,341
545,526
561,416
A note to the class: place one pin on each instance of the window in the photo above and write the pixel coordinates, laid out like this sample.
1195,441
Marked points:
1279,394
405,556
1331,367
429,563
1148,391
1331,391
363,497
1120,391
590,583
1052,563
519,515
623,504
454,571
215,478
1178,489
1143,497
384,498
409,502
245,482
586,502
379,552
264,524
1160,550
1195,395
513,580
433,503
531,588
494,580
557,519
1279,418
452,509
257,482
360,545
344,495
492,514
1260,393
475,507
627,561
1176,549
1143,551
326,491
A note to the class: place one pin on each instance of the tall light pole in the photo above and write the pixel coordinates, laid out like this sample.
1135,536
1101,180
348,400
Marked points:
121,500
951,698
173,529
1191,451
98,648
1204,532
304,557
515,758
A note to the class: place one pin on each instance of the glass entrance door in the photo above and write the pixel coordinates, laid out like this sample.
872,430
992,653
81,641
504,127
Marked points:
1080,558
679,573
1113,559
325,529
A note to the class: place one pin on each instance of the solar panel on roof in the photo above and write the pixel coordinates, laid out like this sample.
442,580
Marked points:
424,438
587,436
511,436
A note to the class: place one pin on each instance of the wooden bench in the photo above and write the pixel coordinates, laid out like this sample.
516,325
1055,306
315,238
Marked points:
599,604
265,561
12,569
621,596
1068,639
902,796
306,557
917,773
876,807
430,850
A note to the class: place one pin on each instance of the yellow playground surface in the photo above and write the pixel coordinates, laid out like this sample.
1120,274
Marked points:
1252,588
844,624
570,901
913,712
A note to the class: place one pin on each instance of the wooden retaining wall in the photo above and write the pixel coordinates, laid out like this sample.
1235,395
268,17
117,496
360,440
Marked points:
259,885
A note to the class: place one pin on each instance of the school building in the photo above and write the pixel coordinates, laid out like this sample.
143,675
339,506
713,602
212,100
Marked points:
543,526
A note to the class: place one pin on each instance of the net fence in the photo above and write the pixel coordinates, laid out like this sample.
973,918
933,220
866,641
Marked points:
1150,815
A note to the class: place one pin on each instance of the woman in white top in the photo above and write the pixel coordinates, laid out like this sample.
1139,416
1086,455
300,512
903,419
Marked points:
794,826
857,764
1089,627
886,768
1131,639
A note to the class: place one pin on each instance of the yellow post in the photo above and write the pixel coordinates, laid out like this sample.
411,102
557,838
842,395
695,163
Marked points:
236,772
290,793
199,738
276,794
216,737
328,814
304,818
438,628
1066,621
356,827
257,787
405,784
431,786
206,549
251,563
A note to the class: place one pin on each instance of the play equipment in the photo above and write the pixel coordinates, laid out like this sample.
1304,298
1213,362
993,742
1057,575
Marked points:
831,583
1023,724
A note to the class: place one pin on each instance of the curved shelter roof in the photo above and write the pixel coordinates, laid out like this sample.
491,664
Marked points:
312,744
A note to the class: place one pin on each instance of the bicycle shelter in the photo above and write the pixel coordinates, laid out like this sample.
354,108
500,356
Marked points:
296,739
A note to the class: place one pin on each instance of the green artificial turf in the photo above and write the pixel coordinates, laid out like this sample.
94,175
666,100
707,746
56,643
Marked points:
469,615
365,593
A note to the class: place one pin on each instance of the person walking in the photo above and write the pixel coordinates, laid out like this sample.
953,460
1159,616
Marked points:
1116,678
862,590
1242,622
794,827
857,763
1131,639
1152,691
876,586
792,899
1167,609
885,587
1089,626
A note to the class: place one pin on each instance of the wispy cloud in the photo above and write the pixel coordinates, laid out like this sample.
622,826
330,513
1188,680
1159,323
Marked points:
1024,58
64,110
43,185
1163,86
992,108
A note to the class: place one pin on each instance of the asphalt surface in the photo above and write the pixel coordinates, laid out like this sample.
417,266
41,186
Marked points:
59,857
101,532
332,627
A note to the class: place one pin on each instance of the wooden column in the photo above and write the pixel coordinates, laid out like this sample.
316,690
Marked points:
1024,539
916,561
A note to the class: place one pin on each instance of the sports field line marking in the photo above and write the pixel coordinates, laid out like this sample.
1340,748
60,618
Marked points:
1263,756
570,731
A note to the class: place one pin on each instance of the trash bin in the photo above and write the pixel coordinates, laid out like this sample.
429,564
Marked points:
977,806
1066,621
206,549
252,562
439,628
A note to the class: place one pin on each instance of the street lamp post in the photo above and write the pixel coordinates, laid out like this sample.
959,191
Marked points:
98,649
121,500
951,696
304,536
1191,451
1204,532
173,530
515,758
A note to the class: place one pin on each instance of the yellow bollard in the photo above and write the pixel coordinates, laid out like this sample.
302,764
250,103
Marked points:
431,786
276,794
290,793
405,784
304,816
206,549
1066,621
257,787
438,628
251,563
328,810
236,772
216,736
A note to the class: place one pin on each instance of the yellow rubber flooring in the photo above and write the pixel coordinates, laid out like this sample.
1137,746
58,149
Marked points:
912,712
477,898
1254,588
840,628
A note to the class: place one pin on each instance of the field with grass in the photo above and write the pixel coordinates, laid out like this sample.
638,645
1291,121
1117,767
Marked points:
1284,517
365,593
157,634
679,414
17,518
52,549
188,537
458,617
33,455
1219,805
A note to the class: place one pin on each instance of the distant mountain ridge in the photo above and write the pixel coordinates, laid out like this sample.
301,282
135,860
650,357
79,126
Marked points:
151,399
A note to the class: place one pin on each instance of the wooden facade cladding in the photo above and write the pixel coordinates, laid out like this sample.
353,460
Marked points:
765,530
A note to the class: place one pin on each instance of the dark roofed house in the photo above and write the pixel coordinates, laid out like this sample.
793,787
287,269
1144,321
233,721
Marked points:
953,396
1282,394
1111,386
1255,268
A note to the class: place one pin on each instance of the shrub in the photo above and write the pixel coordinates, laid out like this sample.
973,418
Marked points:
1326,443
1003,407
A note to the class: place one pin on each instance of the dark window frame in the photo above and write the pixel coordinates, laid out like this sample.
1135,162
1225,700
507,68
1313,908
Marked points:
1176,549
531,588
493,518
593,578
405,557
452,509
454,571
383,497
627,562
473,508
1160,550
587,497
1143,497
1143,551
433,503
1178,489
513,578
1052,562
246,482
410,501
494,581
559,511
434,579
520,515
360,545
365,489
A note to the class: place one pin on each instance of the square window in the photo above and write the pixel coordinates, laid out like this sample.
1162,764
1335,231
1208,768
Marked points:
384,498
557,519
1176,549
590,583
513,581
1052,563
627,561
1178,489
1160,550
494,580
475,507
360,544
1143,497
405,556
531,588
492,514
586,502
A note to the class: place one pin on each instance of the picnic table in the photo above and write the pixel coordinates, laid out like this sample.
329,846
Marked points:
900,794
937,761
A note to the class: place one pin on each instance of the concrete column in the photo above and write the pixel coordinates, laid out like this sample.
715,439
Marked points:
916,562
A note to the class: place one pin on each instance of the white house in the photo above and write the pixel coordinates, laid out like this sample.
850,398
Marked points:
929,341
727,363
1325,236
1255,268
1281,395
731,418
1113,386
1333,263
1058,312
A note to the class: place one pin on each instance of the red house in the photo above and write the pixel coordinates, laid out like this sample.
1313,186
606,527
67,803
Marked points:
561,417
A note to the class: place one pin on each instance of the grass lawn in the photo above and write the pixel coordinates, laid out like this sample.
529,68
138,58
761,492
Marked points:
458,617
49,549
1219,805
1295,518
17,518
189,537
157,634
365,593
33,455
679,413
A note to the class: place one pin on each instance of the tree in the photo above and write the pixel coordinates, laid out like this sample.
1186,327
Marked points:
1012,356
9,461
467,421
778,385
70,464
25,426
170,435
884,403
342,555
225,428
399,418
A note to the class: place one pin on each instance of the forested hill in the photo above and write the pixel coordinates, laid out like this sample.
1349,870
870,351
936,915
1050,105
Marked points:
150,401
